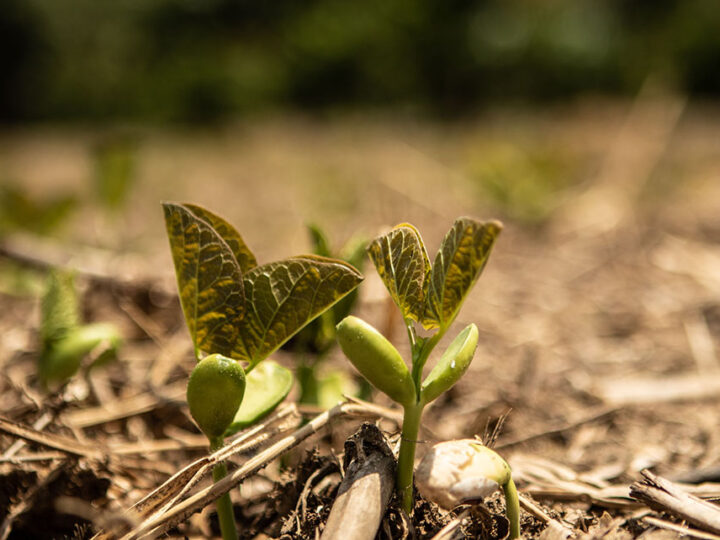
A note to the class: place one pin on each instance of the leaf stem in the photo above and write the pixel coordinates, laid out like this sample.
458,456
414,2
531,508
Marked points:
224,505
512,508
406,459
421,349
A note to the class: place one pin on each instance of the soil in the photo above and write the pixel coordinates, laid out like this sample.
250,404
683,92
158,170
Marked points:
599,317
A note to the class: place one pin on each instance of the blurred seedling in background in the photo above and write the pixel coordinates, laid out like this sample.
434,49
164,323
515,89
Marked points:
64,341
239,313
22,211
114,171
315,341
526,186
430,297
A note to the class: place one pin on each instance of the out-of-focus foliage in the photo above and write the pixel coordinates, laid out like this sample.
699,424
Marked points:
114,171
526,185
203,60
64,341
20,210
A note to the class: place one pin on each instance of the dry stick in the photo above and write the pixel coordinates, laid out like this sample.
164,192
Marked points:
593,417
175,487
558,529
449,530
365,491
58,442
158,524
15,447
132,406
28,257
684,531
662,495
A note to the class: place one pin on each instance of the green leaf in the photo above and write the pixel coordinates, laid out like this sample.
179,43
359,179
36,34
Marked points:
209,281
62,359
459,262
227,232
452,365
319,240
285,296
266,386
60,312
403,265
333,387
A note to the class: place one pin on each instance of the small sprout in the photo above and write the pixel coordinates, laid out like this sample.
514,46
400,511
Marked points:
214,393
240,312
465,471
65,342
430,296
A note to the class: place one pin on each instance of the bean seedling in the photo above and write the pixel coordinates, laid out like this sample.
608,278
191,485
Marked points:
240,312
64,341
316,340
429,296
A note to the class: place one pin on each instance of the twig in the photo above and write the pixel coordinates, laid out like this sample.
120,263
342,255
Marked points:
593,417
662,495
160,523
365,491
58,442
559,529
684,531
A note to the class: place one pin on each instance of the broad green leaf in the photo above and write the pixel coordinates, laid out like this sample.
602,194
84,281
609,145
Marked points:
209,281
403,265
284,296
266,386
459,262
60,312
227,232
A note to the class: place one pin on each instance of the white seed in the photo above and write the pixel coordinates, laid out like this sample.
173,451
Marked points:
454,472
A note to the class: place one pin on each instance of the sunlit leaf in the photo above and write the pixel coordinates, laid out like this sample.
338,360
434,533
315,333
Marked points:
266,386
227,232
284,296
459,262
209,281
403,265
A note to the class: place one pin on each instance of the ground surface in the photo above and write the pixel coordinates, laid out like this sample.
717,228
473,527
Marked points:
599,310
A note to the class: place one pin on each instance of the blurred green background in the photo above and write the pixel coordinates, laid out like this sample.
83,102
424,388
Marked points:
207,60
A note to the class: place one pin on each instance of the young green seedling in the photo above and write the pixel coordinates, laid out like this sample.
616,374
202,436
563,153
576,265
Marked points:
239,312
314,342
430,296
64,341
457,472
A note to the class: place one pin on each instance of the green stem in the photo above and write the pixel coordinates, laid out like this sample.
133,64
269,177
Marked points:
512,508
406,459
226,516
